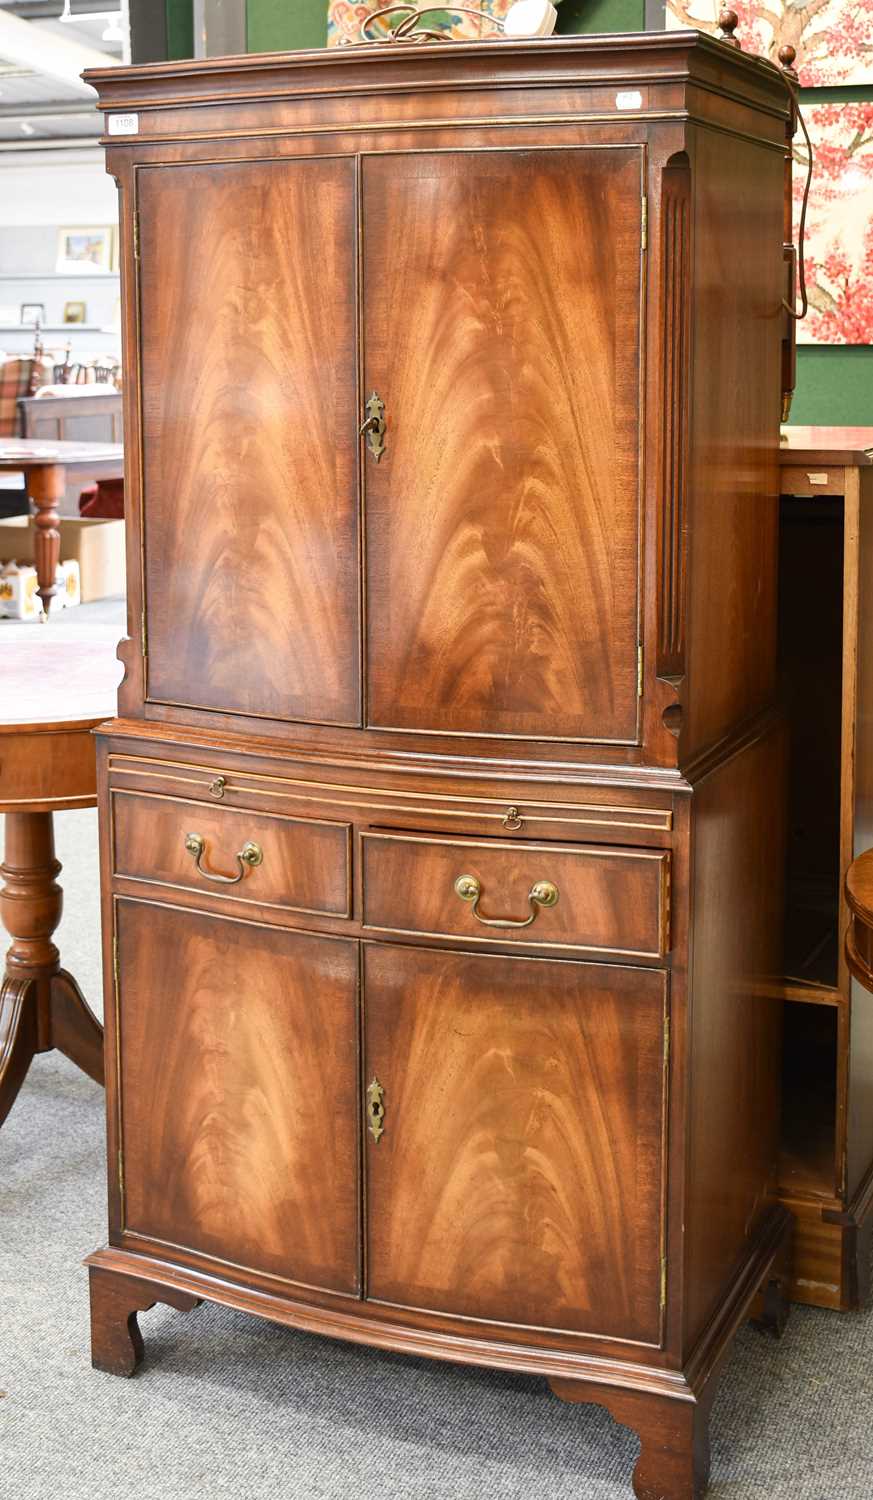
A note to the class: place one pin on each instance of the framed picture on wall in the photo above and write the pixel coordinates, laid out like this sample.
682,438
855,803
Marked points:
33,312
74,312
85,250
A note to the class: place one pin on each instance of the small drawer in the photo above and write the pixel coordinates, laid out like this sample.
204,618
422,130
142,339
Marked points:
807,483
542,895
293,864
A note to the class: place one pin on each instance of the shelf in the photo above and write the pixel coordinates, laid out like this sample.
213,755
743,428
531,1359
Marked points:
30,328
59,275
807,1165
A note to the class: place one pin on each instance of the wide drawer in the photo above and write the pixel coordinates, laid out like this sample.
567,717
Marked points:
543,895
294,864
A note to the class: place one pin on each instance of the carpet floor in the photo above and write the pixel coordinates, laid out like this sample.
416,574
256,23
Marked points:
228,1406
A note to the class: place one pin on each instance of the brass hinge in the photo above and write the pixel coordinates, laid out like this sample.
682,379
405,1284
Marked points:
145,634
639,670
666,1043
136,235
644,224
115,959
121,1170
663,1281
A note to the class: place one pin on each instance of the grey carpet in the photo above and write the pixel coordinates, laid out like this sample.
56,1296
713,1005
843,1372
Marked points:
228,1406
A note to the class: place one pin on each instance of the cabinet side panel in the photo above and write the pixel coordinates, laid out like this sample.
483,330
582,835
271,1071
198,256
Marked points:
859,1126
736,949
249,415
735,397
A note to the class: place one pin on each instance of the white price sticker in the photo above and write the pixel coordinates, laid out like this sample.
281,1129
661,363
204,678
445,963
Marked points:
630,100
122,124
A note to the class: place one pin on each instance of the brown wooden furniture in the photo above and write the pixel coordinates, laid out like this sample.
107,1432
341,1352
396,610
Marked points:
45,466
87,418
826,627
54,690
442,821
859,939
78,418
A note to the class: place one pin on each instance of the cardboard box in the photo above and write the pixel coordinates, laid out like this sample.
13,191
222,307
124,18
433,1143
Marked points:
97,546
18,597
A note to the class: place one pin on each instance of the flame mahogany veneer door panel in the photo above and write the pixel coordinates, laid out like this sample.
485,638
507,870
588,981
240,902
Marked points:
249,358
502,330
519,1177
239,1104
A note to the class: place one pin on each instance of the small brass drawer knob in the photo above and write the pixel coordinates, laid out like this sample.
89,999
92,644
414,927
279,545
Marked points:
542,893
249,856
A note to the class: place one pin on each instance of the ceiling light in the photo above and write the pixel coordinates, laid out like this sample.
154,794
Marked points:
27,128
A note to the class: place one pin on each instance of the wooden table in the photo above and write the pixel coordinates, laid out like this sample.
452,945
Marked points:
859,938
826,448
45,466
54,688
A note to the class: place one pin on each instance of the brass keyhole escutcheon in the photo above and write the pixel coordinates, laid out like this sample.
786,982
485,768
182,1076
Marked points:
376,1109
373,426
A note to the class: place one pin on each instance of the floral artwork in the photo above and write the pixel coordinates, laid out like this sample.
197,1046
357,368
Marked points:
833,39
344,19
839,227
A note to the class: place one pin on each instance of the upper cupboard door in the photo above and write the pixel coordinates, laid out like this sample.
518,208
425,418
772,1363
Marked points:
502,294
248,365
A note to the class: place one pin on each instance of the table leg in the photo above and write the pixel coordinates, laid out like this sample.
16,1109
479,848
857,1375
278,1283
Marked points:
75,1030
17,1038
40,1006
45,486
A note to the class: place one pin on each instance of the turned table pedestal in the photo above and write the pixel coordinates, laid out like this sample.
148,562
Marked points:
45,466
53,690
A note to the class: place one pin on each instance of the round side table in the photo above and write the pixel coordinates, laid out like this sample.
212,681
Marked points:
54,688
859,938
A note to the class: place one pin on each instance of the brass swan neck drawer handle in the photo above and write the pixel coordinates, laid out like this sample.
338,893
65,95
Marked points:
542,893
249,855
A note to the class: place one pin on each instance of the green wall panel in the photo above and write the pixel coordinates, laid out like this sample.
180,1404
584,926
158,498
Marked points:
282,25
180,28
834,386
601,15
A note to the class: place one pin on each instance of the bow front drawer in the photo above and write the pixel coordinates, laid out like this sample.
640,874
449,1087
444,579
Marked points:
293,864
543,895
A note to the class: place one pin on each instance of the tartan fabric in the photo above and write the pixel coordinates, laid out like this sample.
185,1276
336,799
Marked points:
104,499
15,379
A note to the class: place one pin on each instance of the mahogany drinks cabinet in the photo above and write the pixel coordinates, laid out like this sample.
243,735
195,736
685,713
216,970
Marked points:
441,822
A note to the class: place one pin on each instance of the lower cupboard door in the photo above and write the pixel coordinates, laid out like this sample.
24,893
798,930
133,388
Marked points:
238,1049
519,1106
